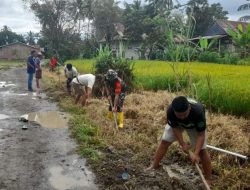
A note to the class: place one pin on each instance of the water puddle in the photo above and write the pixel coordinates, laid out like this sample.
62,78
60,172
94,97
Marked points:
47,119
4,84
63,180
2,116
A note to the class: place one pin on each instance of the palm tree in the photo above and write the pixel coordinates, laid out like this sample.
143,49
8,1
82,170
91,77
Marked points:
244,7
161,5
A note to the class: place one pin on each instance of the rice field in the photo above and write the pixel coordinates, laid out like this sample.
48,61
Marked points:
224,88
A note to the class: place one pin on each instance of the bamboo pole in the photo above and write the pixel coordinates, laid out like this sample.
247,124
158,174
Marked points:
200,173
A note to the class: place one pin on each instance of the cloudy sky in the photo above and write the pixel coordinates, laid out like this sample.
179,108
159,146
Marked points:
21,20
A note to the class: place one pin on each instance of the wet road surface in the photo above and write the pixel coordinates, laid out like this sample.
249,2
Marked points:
39,158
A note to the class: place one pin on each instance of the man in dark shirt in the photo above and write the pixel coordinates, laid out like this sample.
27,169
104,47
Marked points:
31,68
188,115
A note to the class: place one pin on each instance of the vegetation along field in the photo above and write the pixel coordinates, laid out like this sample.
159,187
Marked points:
110,151
224,88
8,64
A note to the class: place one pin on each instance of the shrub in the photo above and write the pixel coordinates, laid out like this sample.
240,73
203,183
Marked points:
208,56
229,59
122,66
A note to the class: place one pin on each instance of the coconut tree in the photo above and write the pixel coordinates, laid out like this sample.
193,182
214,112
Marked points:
244,7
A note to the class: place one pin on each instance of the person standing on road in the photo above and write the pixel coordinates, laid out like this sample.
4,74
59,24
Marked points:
115,88
70,73
31,68
38,71
189,115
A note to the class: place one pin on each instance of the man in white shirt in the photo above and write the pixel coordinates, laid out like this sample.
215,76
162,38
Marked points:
70,73
83,85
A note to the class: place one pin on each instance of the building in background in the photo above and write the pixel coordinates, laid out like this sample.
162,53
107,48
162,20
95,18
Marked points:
17,51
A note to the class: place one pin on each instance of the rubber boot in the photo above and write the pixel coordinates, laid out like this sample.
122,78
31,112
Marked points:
120,119
110,115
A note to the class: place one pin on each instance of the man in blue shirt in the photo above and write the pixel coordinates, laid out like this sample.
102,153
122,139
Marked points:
31,69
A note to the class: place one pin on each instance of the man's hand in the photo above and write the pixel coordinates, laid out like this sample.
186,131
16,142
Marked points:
194,158
185,147
114,109
109,98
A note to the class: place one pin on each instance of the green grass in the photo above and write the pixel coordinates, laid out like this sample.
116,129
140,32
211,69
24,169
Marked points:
83,130
230,84
8,64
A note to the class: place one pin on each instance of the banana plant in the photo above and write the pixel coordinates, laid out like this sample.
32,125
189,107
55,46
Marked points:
205,45
241,37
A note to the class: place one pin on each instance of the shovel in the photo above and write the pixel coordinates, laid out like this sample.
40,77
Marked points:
114,116
200,173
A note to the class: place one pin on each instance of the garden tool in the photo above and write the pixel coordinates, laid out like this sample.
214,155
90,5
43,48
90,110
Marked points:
200,173
228,152
114,116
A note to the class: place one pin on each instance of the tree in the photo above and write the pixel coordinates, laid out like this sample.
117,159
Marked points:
30,38
59,30
160,6
204,14
133,17
106,14
243,7
7,36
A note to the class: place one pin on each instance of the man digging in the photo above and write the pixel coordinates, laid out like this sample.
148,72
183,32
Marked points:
189,116
115,88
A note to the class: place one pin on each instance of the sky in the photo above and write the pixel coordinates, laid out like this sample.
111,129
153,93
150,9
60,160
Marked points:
21,20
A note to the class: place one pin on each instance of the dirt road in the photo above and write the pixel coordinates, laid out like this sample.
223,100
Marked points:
38,158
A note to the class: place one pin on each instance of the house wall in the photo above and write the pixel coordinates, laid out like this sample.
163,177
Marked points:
15,52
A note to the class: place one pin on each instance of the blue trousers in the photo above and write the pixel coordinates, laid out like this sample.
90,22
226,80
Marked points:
30,79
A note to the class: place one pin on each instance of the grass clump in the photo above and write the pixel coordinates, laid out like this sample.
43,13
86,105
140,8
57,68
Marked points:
8,64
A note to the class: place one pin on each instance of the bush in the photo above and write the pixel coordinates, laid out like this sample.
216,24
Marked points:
245,61
207,56
229,59
89,49
123,67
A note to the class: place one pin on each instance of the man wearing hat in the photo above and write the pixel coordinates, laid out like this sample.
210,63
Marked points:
189,115
115,88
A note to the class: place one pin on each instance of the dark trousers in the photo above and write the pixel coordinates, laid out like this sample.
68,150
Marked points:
120,102
68,84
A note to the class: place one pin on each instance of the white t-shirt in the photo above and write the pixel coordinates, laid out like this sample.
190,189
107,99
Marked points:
85,80
70,74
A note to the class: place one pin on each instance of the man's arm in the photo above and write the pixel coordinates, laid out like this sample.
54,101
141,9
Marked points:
199,142
116,102
178,134
29,65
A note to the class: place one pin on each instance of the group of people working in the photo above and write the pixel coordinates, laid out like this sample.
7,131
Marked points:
183,114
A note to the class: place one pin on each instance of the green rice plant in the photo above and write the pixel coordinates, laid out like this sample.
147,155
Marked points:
230,84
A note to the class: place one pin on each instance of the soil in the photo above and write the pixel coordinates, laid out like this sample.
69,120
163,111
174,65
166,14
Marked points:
37,158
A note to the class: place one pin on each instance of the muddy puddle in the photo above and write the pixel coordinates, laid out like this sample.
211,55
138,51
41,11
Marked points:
62,180
3,116
47,119
4,84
